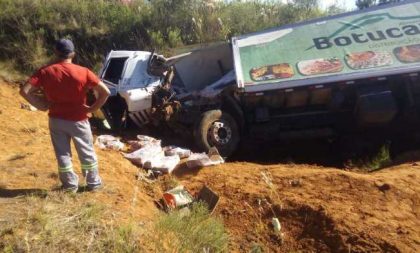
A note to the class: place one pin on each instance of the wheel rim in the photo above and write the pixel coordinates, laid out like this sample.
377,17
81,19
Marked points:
219,133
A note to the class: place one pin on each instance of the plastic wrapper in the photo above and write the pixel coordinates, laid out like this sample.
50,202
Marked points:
205,160
109,142
143,141
165,164
145,154
174,150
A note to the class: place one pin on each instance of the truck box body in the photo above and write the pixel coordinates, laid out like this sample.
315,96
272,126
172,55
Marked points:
380,41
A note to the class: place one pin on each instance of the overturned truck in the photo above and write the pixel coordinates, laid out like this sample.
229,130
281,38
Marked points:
350,74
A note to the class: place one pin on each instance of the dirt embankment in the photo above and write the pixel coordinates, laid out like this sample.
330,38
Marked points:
320,209
28,165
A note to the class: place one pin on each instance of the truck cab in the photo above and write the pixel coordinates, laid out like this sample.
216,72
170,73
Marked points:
126,75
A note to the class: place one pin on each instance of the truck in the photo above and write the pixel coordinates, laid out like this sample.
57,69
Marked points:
351,74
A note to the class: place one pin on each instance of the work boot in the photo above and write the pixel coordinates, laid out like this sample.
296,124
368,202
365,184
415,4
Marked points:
94,188
69,189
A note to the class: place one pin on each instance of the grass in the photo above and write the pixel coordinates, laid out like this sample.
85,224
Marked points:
62,223
372,162
196,232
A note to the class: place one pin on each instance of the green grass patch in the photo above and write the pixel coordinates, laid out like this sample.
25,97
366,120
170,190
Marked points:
193,232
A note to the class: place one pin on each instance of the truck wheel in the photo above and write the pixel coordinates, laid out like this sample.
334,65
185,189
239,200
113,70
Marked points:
217,129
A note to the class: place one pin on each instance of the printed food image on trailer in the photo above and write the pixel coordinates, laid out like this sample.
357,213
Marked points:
272,72
368,59
320,66
408,54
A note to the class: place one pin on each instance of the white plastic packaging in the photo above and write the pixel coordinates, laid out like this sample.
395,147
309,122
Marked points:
174,150
276,224
145,154
204,160
165,164
109,142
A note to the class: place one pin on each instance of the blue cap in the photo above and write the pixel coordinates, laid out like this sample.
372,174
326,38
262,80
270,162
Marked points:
64,46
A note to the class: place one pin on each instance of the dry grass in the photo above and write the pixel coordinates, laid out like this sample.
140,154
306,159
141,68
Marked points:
62,223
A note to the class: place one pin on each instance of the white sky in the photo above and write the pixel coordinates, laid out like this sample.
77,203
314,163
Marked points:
347,4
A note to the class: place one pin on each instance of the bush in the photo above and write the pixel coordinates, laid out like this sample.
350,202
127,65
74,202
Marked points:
28,28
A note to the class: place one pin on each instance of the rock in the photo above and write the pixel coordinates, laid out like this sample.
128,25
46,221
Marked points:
295,182
383,187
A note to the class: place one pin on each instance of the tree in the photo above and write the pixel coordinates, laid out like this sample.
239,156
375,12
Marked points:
388,1
362,4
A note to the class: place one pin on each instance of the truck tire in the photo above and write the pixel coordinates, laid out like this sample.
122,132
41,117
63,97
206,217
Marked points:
217,129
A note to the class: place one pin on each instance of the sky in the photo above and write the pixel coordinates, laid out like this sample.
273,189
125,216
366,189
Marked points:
347,4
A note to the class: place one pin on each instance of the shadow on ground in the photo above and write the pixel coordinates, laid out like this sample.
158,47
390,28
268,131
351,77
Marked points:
13,193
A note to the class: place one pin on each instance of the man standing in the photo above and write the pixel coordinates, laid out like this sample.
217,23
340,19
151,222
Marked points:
65,85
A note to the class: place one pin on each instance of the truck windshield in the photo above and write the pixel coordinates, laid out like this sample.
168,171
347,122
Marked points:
114,70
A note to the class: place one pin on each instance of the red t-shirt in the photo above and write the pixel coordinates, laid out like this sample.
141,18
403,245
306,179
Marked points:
65,86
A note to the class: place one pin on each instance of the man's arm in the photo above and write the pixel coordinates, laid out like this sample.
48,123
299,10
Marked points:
102,93
28,91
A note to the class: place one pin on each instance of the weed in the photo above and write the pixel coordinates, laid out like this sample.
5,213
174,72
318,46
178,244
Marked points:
196,232
372,162
169,182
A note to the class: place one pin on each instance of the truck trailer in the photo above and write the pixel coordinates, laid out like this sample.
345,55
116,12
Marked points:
351,74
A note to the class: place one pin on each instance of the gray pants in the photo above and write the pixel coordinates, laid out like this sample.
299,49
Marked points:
62,132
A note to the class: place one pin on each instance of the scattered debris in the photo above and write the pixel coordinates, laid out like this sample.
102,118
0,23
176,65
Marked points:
174,150
145,154
148,153
143,141
28,107
165,164
177,197
279,236
204,160
109,142
209,197
276,224
180,198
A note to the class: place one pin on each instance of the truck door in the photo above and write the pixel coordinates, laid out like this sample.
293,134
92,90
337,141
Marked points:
137,86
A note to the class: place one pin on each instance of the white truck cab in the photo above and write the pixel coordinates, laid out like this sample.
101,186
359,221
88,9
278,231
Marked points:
125,73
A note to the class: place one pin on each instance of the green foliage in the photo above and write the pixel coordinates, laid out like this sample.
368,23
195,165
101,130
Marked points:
193,232
380,159
28,29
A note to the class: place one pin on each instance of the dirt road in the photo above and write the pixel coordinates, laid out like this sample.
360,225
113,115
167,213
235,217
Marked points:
321,209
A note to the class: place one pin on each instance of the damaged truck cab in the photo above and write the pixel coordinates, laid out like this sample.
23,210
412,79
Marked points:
187,91
351,74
